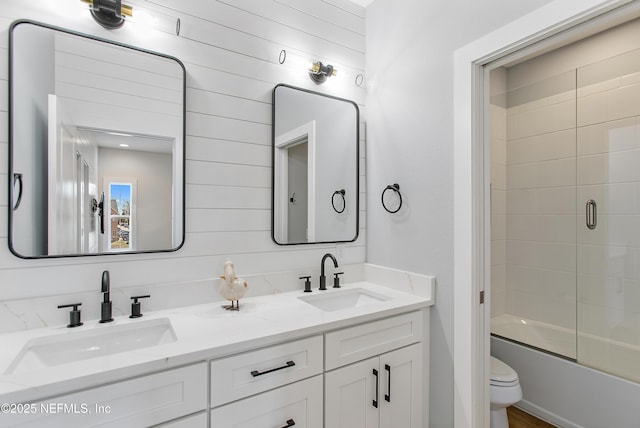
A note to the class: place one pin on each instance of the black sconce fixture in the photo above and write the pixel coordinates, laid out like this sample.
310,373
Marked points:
319,72
109,13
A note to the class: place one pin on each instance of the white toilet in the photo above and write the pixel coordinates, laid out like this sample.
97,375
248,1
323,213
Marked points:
504,391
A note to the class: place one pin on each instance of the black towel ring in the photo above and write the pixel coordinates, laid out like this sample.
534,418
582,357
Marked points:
340,192
396,188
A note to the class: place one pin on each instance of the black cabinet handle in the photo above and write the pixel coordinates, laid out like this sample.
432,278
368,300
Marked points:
375,402
290,423
101,213
387,396
17,178
256,373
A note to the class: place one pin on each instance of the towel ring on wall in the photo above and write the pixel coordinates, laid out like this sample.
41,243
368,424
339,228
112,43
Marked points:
396,188
340,192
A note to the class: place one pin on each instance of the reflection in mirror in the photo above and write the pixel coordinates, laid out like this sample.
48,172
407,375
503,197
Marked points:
315,167
97,139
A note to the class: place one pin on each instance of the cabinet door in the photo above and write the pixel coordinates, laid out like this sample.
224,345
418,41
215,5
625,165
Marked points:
352,396
296,405
401,385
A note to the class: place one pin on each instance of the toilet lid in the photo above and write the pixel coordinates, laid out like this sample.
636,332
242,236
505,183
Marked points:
502,374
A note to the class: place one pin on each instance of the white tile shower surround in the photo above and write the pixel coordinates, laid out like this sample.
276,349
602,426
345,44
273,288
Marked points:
549,179
498,135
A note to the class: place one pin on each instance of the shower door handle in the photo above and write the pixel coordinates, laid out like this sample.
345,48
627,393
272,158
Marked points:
591,214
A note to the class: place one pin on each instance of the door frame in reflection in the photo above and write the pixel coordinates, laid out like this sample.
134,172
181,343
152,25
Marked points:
303,134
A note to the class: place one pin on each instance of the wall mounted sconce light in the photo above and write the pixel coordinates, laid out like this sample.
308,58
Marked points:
109,13
319,72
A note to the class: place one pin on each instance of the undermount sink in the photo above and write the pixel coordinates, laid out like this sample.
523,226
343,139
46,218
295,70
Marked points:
337,300
72,346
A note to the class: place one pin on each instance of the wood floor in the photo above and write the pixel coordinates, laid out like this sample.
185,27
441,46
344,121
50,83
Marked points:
520,419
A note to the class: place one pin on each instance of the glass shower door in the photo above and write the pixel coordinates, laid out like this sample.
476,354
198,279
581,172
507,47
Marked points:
533,223
608,213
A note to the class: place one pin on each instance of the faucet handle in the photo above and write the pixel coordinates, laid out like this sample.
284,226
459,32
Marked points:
135,306
336,279
307,283
106,282
74,315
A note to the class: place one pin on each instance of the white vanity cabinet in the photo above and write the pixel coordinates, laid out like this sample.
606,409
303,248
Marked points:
384,390
296,405
144,401
279,370
329,379
249,373
199,420
381,392
379,361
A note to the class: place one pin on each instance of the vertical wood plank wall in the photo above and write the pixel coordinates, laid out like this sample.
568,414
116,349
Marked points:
230,50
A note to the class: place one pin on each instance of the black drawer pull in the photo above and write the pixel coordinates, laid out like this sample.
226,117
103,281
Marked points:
290,423
375,402
387,396
256,373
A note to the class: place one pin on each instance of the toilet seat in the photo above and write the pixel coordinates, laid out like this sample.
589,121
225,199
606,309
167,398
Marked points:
502,375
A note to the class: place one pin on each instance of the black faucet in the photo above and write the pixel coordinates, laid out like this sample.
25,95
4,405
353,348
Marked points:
323,279
106,301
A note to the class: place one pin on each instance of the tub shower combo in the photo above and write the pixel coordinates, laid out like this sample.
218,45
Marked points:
565,209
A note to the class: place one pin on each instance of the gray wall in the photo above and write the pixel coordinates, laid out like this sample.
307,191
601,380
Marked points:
410,46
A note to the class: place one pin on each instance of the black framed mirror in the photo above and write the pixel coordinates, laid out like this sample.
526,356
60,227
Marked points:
315,181
96,145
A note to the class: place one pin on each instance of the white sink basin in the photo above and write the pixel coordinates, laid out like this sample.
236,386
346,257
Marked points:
337,300
78,345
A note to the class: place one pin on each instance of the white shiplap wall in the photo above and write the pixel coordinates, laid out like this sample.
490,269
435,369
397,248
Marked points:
230,50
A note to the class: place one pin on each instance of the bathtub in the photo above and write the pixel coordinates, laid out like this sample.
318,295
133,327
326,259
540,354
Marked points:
559,340
562,391
612,356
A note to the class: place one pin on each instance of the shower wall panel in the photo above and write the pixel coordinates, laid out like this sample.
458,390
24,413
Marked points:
498,136
541,221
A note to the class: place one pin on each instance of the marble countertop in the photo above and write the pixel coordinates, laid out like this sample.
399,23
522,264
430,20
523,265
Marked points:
205,331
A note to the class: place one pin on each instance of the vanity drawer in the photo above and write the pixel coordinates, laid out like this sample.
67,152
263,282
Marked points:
199,420
241,375
298,405
139,402
357,343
